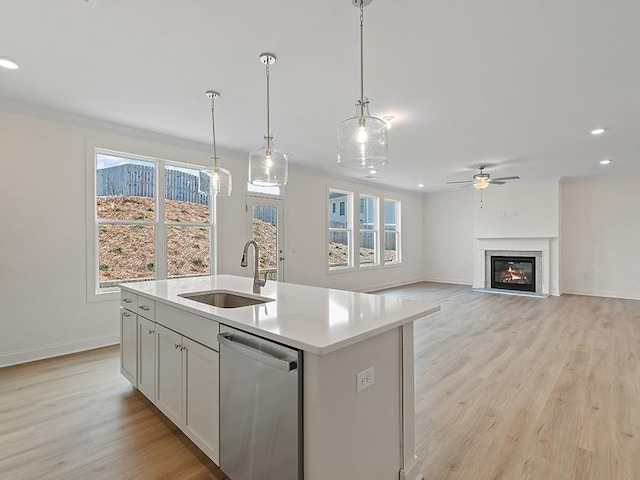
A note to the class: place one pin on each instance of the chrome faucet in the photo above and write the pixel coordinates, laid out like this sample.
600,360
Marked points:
257,283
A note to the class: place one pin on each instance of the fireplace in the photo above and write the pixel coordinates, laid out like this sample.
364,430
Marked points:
513,273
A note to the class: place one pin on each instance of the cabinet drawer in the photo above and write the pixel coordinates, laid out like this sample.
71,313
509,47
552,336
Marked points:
129,300
146,308
202,329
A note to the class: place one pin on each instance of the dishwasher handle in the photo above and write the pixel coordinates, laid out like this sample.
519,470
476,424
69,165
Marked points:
255,354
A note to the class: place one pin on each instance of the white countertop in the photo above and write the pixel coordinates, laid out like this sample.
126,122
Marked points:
316,320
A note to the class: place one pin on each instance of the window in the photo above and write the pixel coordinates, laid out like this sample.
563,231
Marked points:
152,220
391,231
275,191
369,231
340,231
378,225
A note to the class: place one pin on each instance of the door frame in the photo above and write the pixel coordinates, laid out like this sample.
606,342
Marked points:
278,203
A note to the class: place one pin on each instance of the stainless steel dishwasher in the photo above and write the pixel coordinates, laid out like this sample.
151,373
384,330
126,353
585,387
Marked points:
260,408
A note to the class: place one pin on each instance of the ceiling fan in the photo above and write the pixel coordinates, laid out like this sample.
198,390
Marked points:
482,180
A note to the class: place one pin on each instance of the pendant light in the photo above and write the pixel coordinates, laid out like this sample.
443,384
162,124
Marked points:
268,167
220,177
362,139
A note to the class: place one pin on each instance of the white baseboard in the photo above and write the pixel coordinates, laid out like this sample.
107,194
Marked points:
383,286
448,280
48,351
623,296
412,471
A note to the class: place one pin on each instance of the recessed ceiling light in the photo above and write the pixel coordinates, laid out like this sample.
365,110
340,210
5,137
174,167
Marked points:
421,185
6,63
373,171
605,161
598,131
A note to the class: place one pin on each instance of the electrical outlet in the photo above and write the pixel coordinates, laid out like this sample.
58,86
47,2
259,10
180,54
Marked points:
365,379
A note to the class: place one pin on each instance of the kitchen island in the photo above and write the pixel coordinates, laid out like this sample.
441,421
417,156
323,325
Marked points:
357,405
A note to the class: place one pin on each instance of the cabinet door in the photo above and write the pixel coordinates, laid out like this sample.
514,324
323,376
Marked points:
169,373
147,358
129,345
201,389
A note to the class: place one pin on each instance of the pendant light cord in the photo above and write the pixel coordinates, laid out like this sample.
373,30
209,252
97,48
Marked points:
213,128
361,58
268,123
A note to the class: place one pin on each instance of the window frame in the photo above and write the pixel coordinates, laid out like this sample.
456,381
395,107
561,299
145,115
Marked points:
349,230
160,223
397,230
375,230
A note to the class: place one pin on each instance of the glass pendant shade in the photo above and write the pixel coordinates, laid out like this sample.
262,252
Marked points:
362,140
268,167
220,181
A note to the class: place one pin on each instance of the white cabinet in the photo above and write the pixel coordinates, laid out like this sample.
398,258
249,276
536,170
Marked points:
179,375
169,373
201,395
147,358
129,345
132,309
187,388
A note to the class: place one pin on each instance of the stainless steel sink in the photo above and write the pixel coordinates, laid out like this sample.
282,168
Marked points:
224,299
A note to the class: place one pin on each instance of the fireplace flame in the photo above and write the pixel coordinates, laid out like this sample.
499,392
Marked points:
514,275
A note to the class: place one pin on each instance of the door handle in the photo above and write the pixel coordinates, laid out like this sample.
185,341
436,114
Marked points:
228,341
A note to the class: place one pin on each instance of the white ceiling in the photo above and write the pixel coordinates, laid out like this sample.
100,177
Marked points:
513,84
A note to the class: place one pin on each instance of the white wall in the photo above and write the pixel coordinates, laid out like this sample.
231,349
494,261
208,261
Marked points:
518,209
515,210
448,237
601,237
43,242
306,198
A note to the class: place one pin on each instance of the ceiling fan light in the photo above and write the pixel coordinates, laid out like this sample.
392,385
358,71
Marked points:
480,184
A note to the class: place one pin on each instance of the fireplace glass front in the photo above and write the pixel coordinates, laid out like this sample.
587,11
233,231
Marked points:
514,273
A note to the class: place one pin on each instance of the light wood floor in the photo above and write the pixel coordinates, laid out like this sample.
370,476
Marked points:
512,387
76,417
507,387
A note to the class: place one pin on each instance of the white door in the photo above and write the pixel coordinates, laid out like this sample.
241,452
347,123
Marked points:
265,226
169,373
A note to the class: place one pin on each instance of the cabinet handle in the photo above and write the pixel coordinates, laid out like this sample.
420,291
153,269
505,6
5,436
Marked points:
144,307
176,345
150,332
125,314
182,349
126,300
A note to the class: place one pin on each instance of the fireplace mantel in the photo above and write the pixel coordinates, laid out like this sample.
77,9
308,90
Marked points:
544,246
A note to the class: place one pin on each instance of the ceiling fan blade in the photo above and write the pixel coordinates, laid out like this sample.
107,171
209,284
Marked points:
507,178
496,182
463,181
